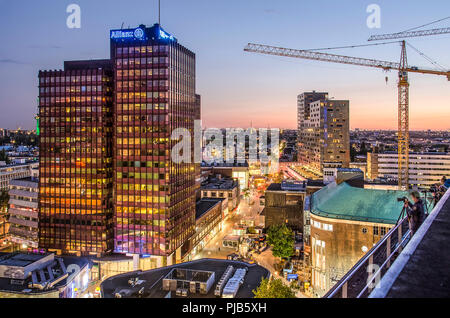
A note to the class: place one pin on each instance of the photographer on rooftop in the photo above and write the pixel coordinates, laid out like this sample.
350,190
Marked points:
415,212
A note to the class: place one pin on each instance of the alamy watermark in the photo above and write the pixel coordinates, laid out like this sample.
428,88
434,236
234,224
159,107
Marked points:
74,19
374,19
373,278
239,146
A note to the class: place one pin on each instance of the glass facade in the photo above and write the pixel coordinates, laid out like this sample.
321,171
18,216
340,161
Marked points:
75,164
154,198
107,179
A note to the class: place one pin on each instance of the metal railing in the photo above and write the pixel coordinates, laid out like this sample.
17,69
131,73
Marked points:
363,277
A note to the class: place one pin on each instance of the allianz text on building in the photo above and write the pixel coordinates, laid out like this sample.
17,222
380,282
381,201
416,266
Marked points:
346,222
425,168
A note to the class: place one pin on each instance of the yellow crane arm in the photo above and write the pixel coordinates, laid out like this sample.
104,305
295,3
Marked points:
411,34
334,58
432,72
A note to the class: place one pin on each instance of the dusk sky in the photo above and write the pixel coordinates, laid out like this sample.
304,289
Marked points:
238,87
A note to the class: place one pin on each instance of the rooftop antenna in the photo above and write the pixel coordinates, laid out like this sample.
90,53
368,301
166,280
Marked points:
159,12
121,27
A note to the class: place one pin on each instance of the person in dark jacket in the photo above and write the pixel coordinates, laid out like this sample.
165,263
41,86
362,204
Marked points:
415,212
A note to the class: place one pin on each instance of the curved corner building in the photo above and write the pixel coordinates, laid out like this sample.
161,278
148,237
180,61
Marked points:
345,223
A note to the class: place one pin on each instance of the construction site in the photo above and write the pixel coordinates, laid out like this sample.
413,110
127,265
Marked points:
402,67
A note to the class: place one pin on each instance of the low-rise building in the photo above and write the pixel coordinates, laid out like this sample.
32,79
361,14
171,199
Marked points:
425,168
220,187
209,214
15,171
195,279
42,276
23,212
353,176
360,165
284,204
235,170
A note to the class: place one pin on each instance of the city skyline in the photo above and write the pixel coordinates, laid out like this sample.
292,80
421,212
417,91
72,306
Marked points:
262,88
185,150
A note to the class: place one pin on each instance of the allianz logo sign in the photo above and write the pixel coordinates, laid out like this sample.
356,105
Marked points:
136,34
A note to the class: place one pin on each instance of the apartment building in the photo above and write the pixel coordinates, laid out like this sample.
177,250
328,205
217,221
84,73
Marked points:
323,138
425,168
23,212
15,171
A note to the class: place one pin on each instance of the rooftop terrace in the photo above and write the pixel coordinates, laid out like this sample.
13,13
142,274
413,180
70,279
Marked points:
416,267
152,280
423,268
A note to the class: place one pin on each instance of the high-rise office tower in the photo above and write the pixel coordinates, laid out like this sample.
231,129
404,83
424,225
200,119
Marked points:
197,165
154,197
323,126
108,182
75,164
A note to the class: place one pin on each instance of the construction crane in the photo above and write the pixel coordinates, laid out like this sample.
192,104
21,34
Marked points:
403,84
411,34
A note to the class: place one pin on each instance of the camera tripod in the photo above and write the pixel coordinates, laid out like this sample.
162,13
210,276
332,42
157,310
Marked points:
402,215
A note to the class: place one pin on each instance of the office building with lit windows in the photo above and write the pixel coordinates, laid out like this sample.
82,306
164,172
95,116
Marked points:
108,183
75,164
324,132
154,198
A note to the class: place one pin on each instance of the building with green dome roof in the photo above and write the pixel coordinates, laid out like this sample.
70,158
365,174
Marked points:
345,222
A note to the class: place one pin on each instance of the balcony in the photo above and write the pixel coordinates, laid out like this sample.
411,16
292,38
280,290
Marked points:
22,193
27,223
22,203
399,266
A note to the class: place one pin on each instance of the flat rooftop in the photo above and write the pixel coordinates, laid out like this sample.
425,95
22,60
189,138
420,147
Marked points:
219,184
26,182
204,205
19,260
225,165
88,64
422,269
349,170
153,279
315,183
22,260
288,186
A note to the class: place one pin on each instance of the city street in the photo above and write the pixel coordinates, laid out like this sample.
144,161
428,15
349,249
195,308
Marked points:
244,211
266,259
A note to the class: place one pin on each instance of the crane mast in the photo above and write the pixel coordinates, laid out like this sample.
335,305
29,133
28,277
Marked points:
403,121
